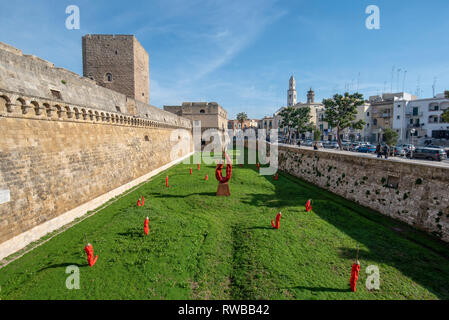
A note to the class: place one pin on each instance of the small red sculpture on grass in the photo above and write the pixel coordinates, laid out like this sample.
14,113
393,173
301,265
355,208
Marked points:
278,221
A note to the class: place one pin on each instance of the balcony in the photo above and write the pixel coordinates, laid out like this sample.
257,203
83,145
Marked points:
411,114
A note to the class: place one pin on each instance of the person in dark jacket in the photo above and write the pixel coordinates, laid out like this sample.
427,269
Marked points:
379,151
386,151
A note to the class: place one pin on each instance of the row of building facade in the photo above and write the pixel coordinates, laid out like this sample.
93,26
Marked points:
415,120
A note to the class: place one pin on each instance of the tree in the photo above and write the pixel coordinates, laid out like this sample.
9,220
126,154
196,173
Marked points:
316,135
391,137
446,94
296,120
445,116
341,111
241,118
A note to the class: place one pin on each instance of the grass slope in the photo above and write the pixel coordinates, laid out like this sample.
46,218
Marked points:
206,247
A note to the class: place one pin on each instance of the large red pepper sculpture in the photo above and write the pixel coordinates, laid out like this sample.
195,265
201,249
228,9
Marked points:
90,255
166,182
146,226
141,203
258,165
207,177
309,205
190,171
223,187
355,273
219,176
198,166
278,220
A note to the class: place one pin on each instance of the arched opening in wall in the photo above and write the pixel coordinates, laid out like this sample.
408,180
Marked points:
97,116
48,109
121,119
4,102
147,138
58,111
108,77
84,112
103,117
202,111
35,106
117,108
117,119
77,113
20,102
91,115
68,112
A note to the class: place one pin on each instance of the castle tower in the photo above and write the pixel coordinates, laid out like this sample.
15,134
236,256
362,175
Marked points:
310,96
119,63
291,98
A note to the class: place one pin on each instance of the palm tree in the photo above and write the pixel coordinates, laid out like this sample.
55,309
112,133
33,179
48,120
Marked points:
241,118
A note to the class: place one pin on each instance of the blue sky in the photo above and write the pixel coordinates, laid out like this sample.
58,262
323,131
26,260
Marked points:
242,53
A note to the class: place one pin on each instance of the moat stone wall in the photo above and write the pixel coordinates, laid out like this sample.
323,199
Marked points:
53,160
417,194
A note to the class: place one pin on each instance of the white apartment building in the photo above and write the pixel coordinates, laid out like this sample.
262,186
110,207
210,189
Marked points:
423,116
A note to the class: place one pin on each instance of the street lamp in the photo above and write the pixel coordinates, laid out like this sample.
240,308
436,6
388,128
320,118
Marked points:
412,132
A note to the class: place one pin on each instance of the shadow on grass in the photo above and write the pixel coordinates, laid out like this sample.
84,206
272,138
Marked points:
133,233
203,194
385,246
320,289
59,265
412,252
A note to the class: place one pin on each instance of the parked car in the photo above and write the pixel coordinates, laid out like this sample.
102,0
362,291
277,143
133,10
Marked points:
432,154
368,148
399,152
331,145
407,147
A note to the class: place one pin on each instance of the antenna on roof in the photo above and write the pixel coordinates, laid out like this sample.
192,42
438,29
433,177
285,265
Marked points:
392,77
418,87
397,83
403,81
434,85
358,81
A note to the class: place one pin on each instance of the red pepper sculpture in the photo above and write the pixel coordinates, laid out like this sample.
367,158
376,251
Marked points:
90,255
141,203
218,175
166,182
190,171
276,177
278,219
308,206
207,177
146,226
258,165
198,165
354,276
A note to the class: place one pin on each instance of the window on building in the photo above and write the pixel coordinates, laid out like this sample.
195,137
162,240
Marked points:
202,111
56,94
375,122
109,77
415,111
143,94
399,117
117,108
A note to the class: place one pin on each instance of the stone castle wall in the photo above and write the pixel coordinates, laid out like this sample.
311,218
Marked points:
53,160
60,152
416,194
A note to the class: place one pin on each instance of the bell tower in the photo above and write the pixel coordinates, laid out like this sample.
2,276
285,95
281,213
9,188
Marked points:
291,94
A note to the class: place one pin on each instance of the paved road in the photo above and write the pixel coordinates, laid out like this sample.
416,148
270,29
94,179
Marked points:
443,164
